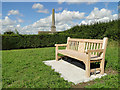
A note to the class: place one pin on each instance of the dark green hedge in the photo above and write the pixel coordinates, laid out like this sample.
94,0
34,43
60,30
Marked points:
32,41
35,41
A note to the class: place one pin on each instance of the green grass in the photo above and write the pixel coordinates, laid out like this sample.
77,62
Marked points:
24,69
109,81
112,58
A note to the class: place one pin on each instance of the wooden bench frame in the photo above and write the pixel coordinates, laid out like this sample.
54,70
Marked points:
87,50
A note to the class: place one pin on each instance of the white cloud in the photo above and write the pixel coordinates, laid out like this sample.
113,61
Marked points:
8,21
40,8
84,22
9,24
61,1
18,25
115,16
96,13
68,16
77,1
13,12
59,9
37,6
43,11
20,20
103,15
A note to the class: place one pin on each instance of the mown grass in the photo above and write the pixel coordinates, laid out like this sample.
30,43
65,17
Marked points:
24,69
109,81
111,58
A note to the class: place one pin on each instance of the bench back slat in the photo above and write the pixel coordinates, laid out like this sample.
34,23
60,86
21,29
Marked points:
87,40
94,48
91,47
100,46
81,45
86,46
97,47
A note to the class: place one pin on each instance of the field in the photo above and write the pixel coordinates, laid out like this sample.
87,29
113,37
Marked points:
23,68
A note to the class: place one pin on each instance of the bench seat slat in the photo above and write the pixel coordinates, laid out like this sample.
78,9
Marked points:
74,54
78,55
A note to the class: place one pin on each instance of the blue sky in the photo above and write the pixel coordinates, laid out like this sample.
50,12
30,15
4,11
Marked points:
31,17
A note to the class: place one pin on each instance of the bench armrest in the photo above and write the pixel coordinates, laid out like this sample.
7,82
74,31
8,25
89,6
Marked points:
96,50
60,44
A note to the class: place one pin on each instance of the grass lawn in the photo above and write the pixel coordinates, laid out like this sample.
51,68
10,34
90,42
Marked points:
24,69
109,81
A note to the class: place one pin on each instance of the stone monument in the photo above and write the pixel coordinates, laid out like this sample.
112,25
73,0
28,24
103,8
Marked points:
53,28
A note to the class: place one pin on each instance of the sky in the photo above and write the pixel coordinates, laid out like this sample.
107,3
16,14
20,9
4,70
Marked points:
31,17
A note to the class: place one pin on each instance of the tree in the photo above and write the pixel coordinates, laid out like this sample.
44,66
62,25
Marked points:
16,32
9,32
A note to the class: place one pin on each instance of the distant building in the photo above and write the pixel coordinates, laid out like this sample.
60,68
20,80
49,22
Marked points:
45,32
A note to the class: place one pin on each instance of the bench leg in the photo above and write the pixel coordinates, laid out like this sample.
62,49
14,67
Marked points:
88,68
102,66
56,53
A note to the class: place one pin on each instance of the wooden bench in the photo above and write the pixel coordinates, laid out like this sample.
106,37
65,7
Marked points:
86,50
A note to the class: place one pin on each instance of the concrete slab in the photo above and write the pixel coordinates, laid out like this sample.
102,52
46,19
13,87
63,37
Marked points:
71,72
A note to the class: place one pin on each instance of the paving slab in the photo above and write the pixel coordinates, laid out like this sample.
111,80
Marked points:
70,71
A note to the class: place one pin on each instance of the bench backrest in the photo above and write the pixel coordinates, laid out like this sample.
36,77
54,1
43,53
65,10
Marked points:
81,45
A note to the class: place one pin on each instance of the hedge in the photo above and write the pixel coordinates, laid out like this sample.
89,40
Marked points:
36,41
32,41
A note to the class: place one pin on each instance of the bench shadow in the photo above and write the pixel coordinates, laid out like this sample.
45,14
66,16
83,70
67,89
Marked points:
80,64
75,62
